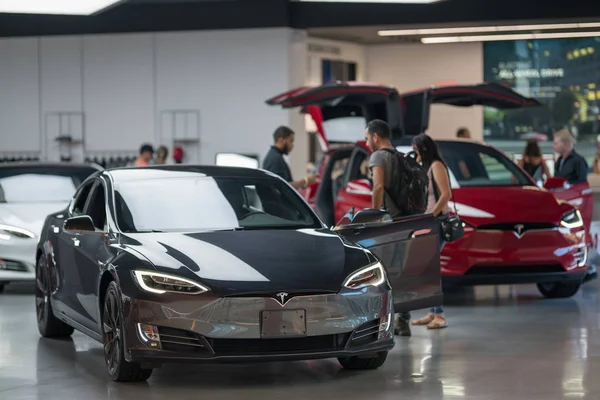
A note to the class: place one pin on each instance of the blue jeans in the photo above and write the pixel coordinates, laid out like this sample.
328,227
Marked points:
439,309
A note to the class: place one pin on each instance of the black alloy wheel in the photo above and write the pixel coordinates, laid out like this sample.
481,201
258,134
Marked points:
48,324
117,367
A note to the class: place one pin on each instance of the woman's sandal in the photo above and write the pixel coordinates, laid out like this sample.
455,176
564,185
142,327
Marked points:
424,321
437,323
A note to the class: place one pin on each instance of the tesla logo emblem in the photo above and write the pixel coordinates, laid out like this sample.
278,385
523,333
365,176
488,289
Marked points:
281,296
519,229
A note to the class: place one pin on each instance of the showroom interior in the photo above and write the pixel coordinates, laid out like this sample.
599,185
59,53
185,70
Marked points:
90,82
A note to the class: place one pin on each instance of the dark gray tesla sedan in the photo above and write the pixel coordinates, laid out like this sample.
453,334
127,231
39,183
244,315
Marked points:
220,264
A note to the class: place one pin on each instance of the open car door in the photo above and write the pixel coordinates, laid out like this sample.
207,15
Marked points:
340,110
409,251
416,104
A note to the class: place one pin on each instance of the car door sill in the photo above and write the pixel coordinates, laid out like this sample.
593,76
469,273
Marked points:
419,304
83,329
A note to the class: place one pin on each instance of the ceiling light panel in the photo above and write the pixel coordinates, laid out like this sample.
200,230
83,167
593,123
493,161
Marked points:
487,29
62,7
494,38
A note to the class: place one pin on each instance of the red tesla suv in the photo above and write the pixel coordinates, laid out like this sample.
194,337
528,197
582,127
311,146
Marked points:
515,231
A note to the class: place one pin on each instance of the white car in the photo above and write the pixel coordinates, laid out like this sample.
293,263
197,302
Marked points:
28,193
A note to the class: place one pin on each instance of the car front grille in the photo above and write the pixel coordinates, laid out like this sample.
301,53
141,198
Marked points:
512,226
514,269
9,265
308,344
183,341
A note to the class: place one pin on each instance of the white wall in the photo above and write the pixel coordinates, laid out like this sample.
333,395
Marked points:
126,84
414,66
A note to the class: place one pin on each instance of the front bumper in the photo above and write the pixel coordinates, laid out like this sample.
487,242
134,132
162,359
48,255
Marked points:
17,260
229,329
484,257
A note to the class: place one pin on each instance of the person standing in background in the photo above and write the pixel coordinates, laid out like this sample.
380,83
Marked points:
145,157
463,133
283,139
161,155
437,204
569,165
381,163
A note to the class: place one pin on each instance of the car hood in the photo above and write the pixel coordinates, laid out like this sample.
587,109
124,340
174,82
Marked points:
30,216
513,204
255,261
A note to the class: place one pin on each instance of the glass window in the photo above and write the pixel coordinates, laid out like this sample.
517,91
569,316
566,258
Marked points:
206,203
473,164
40,184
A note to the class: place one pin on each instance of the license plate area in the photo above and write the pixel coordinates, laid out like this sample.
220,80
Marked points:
283,323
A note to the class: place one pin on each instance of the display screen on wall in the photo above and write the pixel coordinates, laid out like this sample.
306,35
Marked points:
334,70
563,74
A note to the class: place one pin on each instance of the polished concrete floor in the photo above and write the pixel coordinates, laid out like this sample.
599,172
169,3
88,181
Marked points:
502,343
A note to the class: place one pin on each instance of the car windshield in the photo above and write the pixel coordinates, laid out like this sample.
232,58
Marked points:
473,164
198,203
41,184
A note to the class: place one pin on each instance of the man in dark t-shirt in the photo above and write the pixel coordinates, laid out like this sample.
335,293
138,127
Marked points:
569,165
283,143
377,136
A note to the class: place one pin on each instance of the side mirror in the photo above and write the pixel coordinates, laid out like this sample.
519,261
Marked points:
81,223
370,216
363,217
556,183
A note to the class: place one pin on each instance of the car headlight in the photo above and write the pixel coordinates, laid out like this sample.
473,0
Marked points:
8,232
572,220
156,282
373,275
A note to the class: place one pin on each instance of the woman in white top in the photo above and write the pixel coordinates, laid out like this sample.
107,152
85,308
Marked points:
437,204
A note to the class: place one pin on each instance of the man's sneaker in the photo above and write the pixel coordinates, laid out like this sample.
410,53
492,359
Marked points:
402,327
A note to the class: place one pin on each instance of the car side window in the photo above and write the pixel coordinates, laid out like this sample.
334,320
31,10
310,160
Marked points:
96,207
81,197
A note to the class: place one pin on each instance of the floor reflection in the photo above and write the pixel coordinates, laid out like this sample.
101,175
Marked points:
503,342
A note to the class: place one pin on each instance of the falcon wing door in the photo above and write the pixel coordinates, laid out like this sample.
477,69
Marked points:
340,110
417,104
409,251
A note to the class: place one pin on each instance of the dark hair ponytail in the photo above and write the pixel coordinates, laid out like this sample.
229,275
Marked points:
427,149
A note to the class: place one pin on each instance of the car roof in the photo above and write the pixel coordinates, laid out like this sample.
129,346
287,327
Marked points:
47,164
462,140
179,170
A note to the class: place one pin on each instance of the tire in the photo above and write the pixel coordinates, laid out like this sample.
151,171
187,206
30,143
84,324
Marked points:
48,325
358,363
117,367
558,290
2,287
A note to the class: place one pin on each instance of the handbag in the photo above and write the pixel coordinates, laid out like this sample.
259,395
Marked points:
452,226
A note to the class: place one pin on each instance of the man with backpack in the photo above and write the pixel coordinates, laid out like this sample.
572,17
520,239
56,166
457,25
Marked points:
399,186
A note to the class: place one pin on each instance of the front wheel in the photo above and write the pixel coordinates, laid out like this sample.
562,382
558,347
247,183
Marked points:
358,362
559,290
118,368
48,325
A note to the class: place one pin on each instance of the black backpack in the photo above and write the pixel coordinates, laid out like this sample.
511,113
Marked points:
410,184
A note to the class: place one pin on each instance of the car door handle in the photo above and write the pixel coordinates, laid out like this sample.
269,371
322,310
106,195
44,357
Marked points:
75,242
420,232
